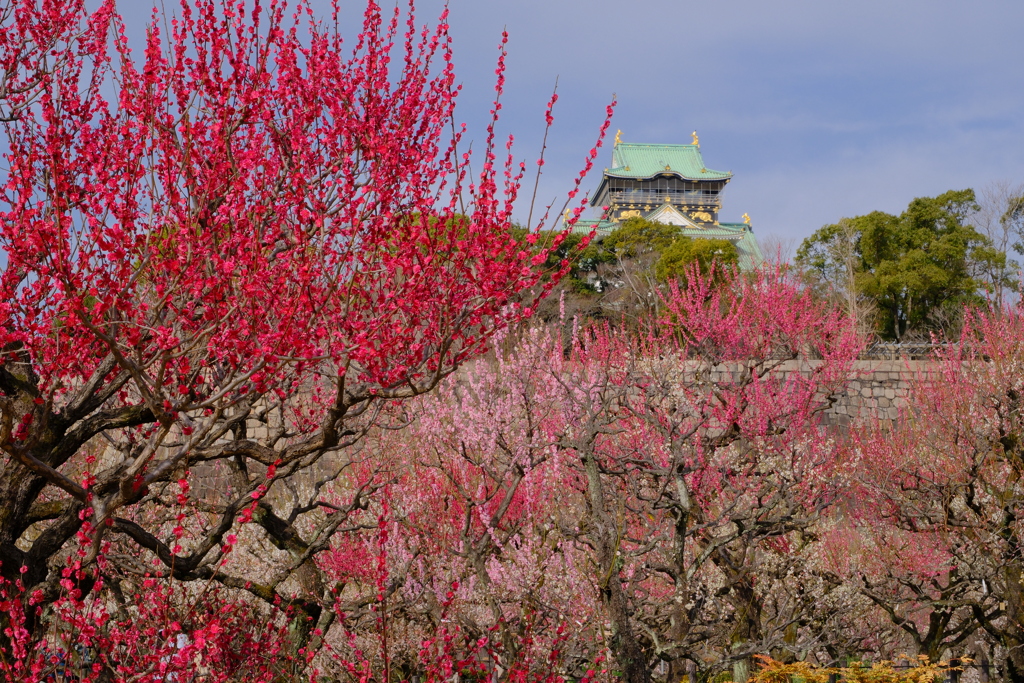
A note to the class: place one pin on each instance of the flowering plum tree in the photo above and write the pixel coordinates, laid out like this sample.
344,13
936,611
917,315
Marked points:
911,579
170,635
222,256
950,480
723,445
477,495
670,476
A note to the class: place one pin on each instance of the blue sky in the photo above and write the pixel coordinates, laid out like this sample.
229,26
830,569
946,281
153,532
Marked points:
822,109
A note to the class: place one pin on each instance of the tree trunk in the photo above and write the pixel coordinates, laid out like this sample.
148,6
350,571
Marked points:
741,668
629,656
748,626
1013,594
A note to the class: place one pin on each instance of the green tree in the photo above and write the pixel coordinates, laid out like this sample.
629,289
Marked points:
639,236
920,268
626,268
581,260
678,258
1013,220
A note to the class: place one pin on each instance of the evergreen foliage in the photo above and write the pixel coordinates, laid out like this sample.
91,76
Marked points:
618,274
919,268
680,256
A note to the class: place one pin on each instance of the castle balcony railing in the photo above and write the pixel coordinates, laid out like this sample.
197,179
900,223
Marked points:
656,198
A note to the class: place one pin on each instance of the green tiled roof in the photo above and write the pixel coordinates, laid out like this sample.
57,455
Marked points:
747,247
583,227
638,161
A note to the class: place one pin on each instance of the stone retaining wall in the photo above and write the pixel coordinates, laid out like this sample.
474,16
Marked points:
877,390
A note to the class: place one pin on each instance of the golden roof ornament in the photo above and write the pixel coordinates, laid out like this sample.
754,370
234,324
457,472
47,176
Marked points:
746,218
618,136
696,140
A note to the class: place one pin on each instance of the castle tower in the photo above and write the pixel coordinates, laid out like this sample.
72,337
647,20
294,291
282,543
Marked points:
668,184
644,178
